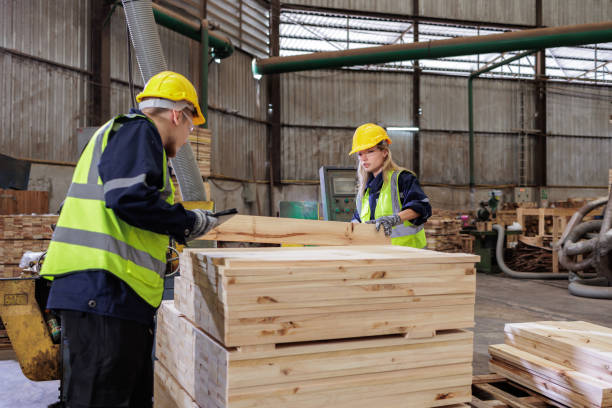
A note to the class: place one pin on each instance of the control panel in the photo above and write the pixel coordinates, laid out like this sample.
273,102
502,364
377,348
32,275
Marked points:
338,187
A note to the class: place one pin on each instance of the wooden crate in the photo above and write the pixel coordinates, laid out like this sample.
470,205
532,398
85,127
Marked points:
385,371
280,295
569,362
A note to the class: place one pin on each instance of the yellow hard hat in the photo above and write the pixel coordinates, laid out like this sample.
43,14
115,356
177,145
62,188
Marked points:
175,87
368,135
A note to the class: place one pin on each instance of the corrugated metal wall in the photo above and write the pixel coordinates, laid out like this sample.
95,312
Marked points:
42,106
338,99
498,11
233,88
381,6
579,111
568,12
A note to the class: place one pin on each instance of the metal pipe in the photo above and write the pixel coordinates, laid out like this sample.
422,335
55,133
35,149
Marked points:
204,51
222,46
499,254
471,104
513,41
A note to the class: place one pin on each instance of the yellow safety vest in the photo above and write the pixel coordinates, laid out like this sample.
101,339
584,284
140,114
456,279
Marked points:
389,203
90,236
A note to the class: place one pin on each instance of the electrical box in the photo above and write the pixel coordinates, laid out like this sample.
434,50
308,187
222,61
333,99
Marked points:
338,189
526,195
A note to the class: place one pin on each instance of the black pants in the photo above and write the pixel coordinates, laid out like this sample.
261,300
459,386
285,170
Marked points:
110,361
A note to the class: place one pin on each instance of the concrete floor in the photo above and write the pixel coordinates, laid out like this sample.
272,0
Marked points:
499,300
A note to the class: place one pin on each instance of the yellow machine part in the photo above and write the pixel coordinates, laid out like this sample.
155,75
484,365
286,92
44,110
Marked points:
38,357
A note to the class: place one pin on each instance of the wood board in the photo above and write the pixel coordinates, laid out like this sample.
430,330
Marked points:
580,346
282,295
248,228
389,371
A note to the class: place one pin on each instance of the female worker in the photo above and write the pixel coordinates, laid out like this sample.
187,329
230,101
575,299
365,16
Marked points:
388,195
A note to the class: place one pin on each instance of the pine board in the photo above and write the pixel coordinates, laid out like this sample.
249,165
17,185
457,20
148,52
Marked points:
388,371
252,297
588,390
581,346
167,392
542,386
248,228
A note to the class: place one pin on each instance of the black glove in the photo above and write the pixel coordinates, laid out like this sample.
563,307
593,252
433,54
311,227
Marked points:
204,222
387,222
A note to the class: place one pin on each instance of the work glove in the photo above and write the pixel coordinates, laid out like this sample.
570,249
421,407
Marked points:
387,222
204,222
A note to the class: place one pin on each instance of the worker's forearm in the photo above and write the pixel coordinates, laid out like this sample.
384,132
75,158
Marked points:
408,214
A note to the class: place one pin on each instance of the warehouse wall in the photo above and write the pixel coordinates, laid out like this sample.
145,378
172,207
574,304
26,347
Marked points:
42,102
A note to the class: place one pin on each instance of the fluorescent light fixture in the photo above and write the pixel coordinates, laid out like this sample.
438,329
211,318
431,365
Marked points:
406,129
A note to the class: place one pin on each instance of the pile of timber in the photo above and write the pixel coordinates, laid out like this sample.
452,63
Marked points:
5,342
528,258
443,234
349,326
201,142
568,362
21,233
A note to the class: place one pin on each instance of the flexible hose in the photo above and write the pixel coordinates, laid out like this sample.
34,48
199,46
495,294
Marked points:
150,57
499,253
589,291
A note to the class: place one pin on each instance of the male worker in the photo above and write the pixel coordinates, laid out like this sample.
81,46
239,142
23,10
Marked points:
107,257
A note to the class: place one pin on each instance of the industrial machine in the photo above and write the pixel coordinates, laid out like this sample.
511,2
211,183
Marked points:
484,213
337,192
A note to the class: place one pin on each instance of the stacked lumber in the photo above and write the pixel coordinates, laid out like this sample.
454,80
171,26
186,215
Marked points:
568,362
21,233
313,327
443,234
5,342
201,142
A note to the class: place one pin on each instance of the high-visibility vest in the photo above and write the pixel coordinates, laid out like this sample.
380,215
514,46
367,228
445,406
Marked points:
406,234
88,235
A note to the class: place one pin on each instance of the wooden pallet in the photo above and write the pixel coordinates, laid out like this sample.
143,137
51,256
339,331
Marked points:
495,391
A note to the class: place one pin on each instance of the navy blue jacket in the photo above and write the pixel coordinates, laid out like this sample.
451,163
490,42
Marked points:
411,196
135,149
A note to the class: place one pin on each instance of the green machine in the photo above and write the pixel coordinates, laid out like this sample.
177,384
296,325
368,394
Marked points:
484,246
338,186
305,210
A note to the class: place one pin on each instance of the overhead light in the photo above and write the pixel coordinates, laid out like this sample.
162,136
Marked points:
405,129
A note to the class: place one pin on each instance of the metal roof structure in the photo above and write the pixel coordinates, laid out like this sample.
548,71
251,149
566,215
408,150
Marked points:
304,32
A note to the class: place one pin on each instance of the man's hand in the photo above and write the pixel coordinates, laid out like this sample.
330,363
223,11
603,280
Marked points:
204,222
387,222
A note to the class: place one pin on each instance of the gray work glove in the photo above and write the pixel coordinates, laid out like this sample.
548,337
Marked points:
204,222
387,222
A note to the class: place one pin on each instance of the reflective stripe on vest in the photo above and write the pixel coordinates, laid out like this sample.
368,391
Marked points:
389,203
90,236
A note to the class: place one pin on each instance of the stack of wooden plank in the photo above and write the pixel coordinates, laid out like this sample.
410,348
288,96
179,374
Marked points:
568,362
443,234
317,327
21,233
201,142
23,202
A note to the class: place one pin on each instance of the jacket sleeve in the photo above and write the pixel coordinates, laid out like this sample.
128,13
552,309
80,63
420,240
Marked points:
131,169
413,197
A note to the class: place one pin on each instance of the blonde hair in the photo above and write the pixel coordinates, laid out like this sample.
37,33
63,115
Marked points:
388,164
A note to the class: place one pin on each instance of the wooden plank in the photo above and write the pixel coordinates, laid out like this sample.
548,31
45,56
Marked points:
305,324
167,392
590,389
581,346
24,202
246,228
330,256
547,388
386,371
